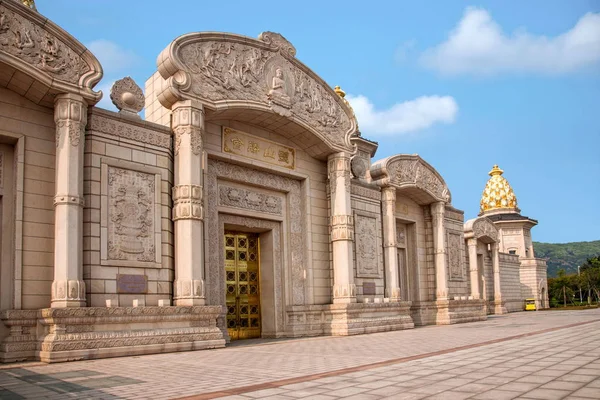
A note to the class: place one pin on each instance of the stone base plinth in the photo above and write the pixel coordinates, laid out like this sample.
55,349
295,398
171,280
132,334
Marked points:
21,344
347,319
498,307
446,312
67,334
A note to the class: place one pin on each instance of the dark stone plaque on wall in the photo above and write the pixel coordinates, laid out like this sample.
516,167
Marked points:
369,289
132,284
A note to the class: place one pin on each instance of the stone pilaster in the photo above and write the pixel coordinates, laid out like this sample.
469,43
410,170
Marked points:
68,287
342,228
473,268
439,250
499,307
188,212
392,282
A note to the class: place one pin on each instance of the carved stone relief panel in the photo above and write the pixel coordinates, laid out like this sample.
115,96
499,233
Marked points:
485,227
294,207
130,227
31,42
401,234
455,264
367,245
131,215
250,200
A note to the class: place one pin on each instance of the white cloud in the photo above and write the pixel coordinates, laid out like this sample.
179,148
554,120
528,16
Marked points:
112,57
478,45
409,116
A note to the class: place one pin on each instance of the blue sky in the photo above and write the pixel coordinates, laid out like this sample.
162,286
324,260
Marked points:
463,84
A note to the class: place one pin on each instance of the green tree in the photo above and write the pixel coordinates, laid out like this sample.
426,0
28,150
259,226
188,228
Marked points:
562,288
590,278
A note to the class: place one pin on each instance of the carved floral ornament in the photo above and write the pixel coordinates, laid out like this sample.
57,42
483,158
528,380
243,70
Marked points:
405,171
479,228
232,71
41,49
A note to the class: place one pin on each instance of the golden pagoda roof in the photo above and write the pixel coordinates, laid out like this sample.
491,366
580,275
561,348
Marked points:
498,195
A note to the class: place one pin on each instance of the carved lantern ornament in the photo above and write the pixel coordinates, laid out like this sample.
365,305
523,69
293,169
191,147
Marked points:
37,47
127,96
406,171
225,71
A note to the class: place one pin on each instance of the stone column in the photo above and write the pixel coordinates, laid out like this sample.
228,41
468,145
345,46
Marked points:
496,270
439,250
390,252
342,228
188,214
68,287
473,267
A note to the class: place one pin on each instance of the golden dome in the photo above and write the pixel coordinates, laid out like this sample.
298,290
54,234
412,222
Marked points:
498,194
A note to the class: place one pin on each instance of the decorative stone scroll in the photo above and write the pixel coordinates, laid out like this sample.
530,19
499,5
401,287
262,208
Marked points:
127,96
455,264
131,210
225,70
410,171
45,50
254,147
367,249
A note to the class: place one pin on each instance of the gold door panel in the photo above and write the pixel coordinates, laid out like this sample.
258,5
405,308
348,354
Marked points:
242,290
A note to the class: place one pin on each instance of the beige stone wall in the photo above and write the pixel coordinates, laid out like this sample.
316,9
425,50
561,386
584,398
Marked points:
368,244
456,254
311,175
510,283
512,237
154,111
34,187
533,278
127,165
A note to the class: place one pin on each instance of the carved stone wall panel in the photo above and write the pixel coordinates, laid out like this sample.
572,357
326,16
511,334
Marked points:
257,148
131,209
250,200
369,193
455,266
484,227
44,46
367,249
235,173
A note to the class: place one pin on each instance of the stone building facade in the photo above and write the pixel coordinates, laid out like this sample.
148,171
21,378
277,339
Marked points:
246,204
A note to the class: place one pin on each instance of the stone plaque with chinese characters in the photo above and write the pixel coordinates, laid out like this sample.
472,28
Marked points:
257,148
132,284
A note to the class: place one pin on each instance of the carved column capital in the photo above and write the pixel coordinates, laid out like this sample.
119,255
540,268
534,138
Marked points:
187,202
342,227
70,116
472,242
388,193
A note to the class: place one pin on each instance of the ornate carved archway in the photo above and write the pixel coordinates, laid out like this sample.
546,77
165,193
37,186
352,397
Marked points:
412,174
481,228
51,60
236,76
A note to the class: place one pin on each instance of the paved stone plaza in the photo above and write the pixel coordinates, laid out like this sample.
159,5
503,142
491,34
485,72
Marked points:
542,355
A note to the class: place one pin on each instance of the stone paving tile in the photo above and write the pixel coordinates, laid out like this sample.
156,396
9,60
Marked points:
546,394
590,392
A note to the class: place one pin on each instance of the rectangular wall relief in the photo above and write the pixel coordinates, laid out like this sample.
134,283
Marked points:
257,148
131,213
454,256
367,248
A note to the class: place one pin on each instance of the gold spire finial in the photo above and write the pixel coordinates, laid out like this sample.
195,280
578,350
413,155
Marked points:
495,171
498,196
30,4
338,90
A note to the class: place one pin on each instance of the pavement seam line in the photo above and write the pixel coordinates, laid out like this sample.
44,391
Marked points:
288,381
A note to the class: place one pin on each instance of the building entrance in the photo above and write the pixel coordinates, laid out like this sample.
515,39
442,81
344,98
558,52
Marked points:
242,285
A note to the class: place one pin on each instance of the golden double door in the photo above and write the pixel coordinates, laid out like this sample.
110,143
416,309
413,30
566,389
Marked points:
242,285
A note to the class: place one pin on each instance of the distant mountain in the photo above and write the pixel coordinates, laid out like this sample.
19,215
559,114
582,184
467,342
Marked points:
565,255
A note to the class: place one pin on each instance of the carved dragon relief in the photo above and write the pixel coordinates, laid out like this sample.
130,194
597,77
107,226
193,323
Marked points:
410,171
44,46
224,69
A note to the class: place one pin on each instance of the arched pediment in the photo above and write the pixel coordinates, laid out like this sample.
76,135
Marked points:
45,60
411,172
481,228
232,72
